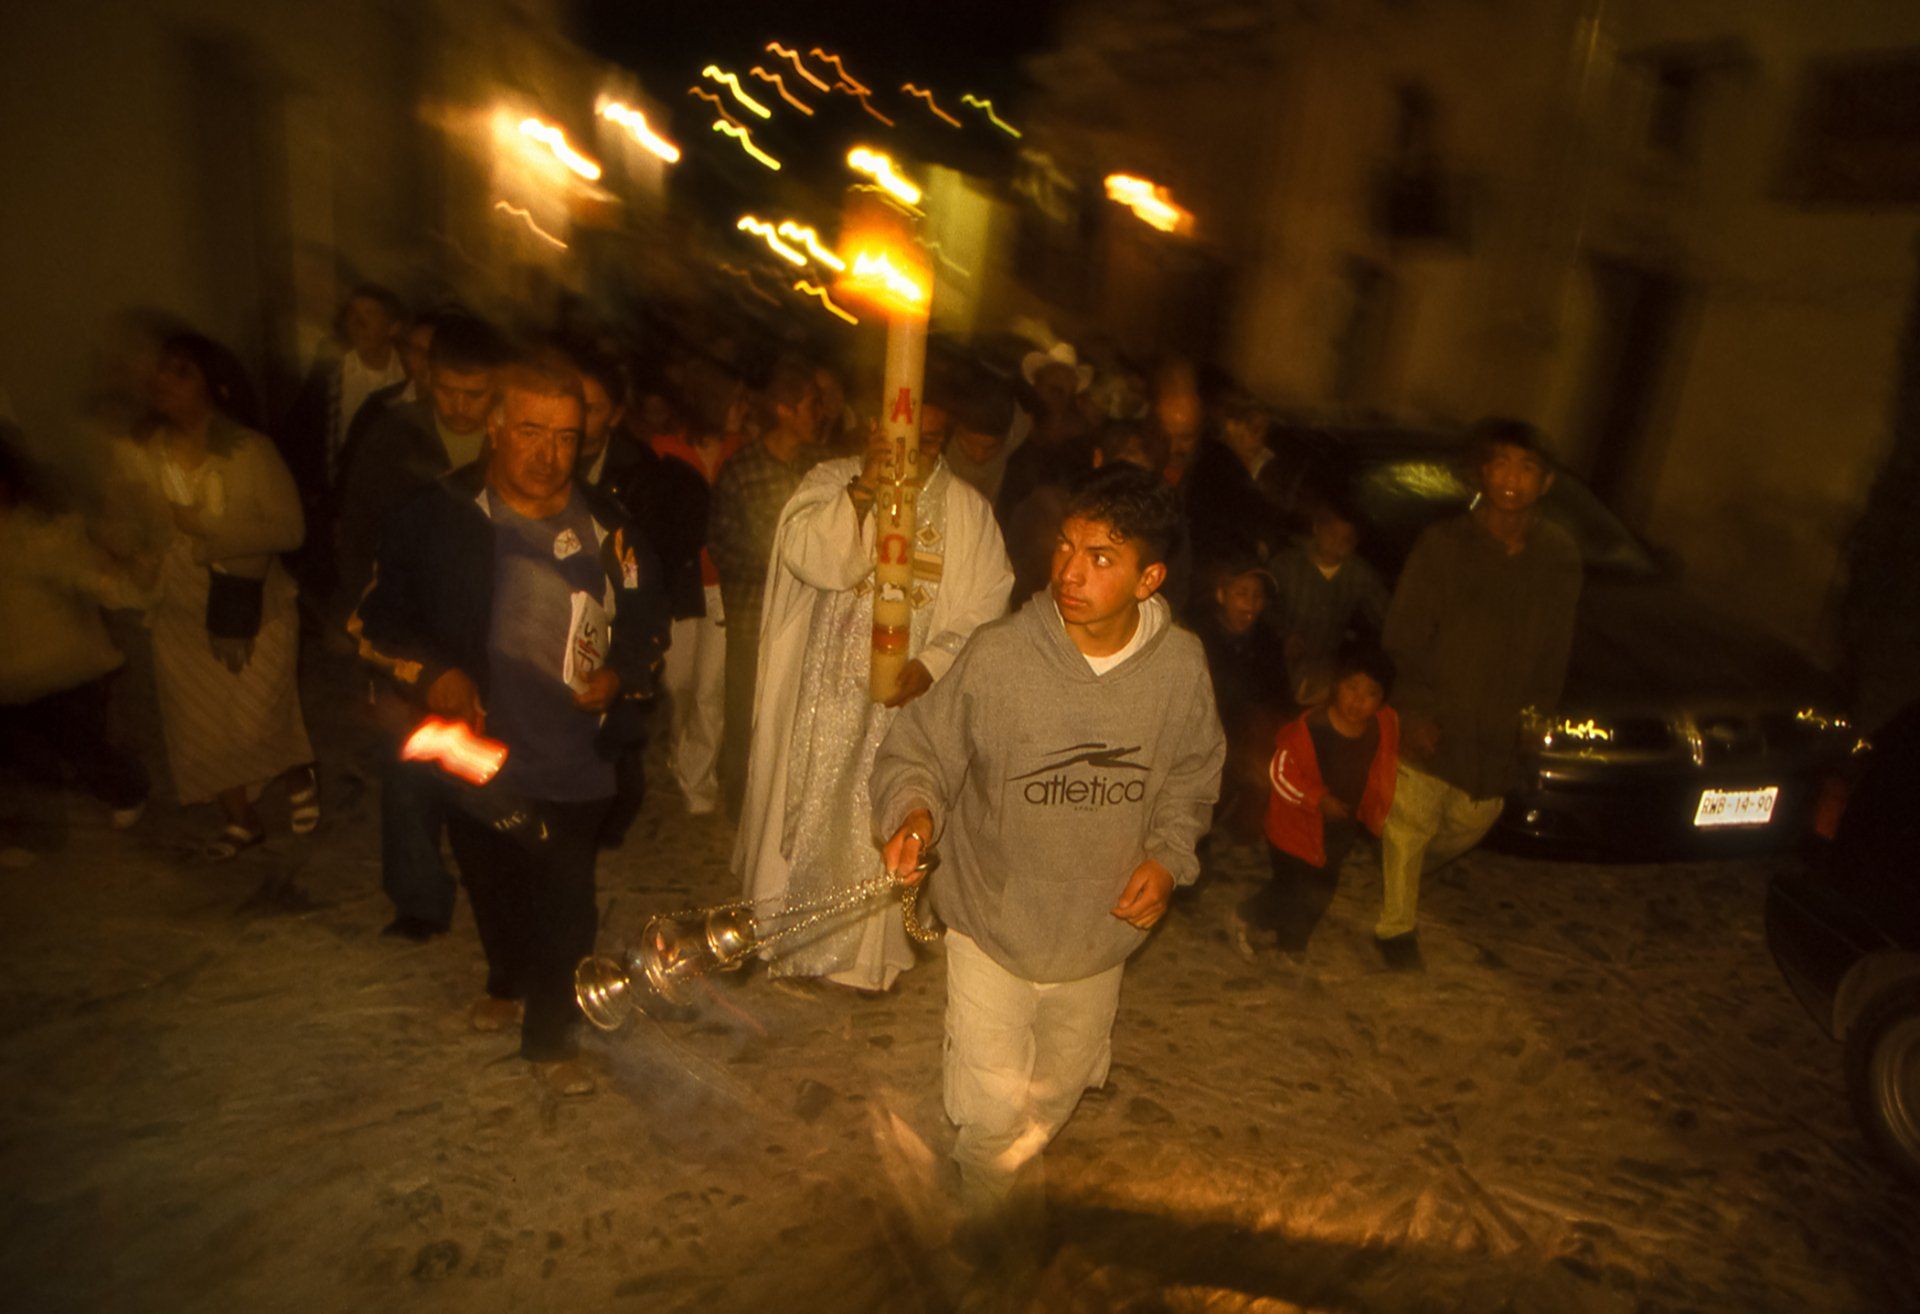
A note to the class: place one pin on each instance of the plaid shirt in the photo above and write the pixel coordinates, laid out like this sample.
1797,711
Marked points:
749,495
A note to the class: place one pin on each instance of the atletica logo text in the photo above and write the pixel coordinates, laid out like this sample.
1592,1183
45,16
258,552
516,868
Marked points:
1055,783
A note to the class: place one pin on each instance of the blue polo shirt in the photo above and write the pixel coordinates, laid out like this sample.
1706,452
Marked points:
538,565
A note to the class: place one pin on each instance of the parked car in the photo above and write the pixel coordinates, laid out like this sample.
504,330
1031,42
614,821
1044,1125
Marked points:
1681,732
1845,931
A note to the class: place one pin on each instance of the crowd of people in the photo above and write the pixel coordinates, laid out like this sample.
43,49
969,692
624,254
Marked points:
1139,626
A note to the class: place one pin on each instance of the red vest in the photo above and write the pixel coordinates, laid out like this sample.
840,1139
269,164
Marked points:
1294,824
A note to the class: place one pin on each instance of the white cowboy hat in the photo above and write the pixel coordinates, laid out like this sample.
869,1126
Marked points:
1060,353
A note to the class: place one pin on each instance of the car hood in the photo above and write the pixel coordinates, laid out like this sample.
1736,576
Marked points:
1652,643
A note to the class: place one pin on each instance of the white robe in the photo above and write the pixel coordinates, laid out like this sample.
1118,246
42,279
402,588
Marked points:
821,547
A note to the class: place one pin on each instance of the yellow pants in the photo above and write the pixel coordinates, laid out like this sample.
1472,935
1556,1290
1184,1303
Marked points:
1431,823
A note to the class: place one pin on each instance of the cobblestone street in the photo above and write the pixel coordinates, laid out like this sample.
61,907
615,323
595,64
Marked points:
228,1092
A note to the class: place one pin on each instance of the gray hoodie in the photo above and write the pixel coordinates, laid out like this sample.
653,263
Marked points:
1049,785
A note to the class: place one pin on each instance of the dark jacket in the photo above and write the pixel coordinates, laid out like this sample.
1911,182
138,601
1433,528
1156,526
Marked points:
1320,612
302,433
430,608
393,457
1477,635
1249,670
1228,516
666,501
1036,463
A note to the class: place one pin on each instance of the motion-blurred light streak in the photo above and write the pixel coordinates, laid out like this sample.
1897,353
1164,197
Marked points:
861,95
810,240
985,106
927,96
746,276
815,290
745,139
779,85
719,106
939,253
873,164
1151,204
793,57
637,127
555,140
732,83
766,232
859,88
526,217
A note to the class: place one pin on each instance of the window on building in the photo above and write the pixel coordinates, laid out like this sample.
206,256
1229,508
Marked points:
1664,93
1855,139
1673,109
1415,197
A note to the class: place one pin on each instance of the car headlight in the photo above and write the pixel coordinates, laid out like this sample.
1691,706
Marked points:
1565,733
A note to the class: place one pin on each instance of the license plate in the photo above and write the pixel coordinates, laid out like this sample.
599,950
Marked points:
1736,807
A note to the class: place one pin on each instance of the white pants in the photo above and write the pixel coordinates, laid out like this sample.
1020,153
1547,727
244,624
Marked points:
695,679
1019,1054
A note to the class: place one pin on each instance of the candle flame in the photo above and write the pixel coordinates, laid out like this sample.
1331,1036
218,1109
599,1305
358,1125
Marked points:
793,56
526,216
880,168
779,85
985,106
766,232
641,131
732,83
815,290
556,142
1151,204
745,139
809,239
455,749
880,274
927,96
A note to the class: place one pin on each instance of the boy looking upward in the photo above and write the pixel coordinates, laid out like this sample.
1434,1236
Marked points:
1069,761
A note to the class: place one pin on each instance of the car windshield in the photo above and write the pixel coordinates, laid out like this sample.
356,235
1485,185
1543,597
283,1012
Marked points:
1399,496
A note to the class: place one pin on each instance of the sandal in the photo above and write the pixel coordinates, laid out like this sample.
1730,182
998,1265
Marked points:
304,805
232,840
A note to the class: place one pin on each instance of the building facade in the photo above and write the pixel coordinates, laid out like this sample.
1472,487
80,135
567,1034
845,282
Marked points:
1679,236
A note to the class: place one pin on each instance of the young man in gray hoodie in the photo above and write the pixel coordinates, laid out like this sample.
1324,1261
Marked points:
1068,764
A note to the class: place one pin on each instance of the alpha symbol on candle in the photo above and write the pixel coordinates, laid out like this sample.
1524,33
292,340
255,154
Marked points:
893,548
902,407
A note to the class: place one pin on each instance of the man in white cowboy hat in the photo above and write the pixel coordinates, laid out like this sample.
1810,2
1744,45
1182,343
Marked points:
1058,447
1056,375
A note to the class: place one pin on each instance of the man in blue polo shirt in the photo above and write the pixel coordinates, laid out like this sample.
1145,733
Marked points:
473,613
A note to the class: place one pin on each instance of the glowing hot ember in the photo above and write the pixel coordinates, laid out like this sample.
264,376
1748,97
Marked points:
455,749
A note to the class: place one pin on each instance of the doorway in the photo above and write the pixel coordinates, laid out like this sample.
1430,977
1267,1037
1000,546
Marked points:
1637,315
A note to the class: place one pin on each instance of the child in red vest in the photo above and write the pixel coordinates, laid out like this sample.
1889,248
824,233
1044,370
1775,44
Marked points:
1332,775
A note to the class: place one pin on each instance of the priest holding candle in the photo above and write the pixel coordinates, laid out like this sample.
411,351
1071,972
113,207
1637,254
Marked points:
882,567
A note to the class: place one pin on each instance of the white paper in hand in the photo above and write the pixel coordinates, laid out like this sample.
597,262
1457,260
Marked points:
587,637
